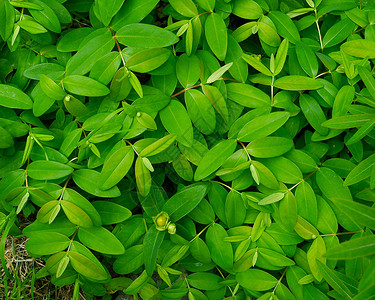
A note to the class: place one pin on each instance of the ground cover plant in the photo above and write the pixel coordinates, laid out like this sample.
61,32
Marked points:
194,149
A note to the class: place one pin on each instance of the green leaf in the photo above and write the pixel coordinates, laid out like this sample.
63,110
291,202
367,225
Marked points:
13,97
362,132
50,88
130,261
362,214
348,121
111,213
218,73
71,40
355,248
239,69
267,32
361,171
101,240
31,26
6,140
75,214
46,16
282,52
334,280
187,70
262,126
288,211
265,176
85,266
332,185
151,244
106,67
235,209
359,48
343,99
217,100
313,113
256,280
270,146
62,266
7,14
35,72
247,9
256,64
368,80
214,158
184,201
132,11
48,170
338,32
307,59
76,198
272,198
116,167
305,230
306,202
159,146
221,251
46,243
199,250
200,110
82,62
145,36
207,5
85,86
216,35
108,9
147,60
88,181
314,256
176,120
186,8
285,26
297,83
70,142
275,258
247,95
137,284
142,177
205,281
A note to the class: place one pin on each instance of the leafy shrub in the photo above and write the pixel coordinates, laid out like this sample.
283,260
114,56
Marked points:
215,149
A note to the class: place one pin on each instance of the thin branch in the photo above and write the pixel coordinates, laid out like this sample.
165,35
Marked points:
118,46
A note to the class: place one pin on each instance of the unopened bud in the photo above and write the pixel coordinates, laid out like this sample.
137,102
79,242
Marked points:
172,228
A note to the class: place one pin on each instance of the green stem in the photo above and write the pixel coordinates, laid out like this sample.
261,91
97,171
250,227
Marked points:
244,147
273,80
227,186
9,223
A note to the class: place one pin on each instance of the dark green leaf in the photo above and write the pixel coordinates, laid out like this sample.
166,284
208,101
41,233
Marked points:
184,201
145,36
151,244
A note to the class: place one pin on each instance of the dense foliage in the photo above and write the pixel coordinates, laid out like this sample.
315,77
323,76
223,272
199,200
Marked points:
199,148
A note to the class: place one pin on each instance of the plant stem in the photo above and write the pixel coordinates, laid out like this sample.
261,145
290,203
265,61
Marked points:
280,280
244,147
227,186
273,80
184,90
118,46
317,26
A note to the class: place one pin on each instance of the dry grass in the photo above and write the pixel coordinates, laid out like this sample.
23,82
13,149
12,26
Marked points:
23,269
